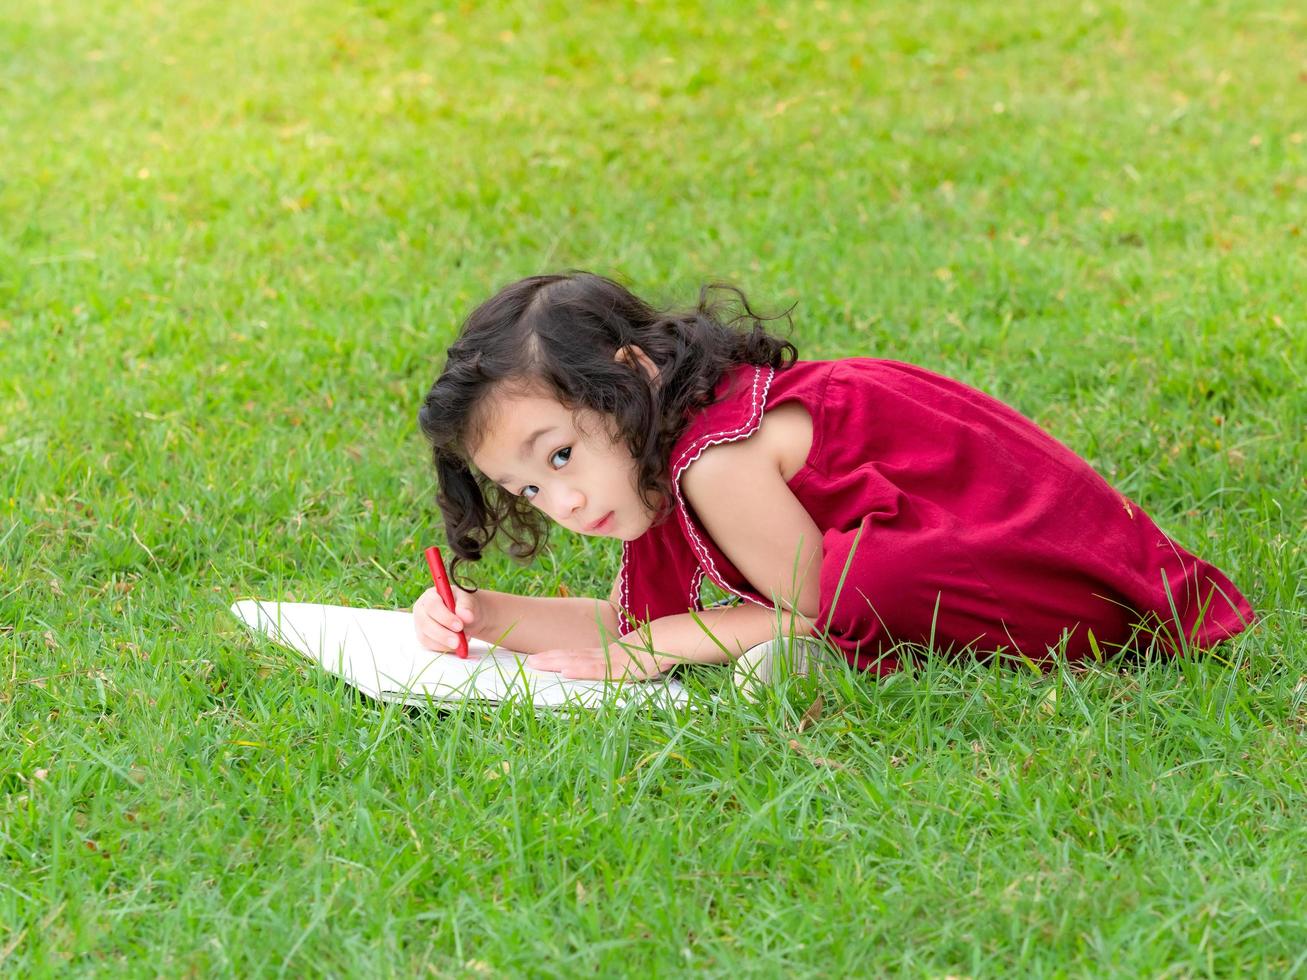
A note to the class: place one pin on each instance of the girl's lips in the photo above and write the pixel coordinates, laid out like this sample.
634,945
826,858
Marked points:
601,523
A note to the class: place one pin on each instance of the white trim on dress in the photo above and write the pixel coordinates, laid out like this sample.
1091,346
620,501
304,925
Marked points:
758,401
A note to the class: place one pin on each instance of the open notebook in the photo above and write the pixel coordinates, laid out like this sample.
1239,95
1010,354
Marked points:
377,652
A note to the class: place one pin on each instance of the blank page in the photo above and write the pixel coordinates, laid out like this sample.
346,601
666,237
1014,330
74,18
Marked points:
376,651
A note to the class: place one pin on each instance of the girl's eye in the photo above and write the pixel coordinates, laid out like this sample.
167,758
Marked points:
566,455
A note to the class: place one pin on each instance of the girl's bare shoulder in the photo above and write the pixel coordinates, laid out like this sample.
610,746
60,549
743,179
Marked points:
781,442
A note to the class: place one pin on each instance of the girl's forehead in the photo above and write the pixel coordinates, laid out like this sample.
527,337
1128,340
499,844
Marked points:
507,417
506,407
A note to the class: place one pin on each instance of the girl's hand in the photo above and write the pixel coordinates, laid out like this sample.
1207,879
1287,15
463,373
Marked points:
613,662
437,626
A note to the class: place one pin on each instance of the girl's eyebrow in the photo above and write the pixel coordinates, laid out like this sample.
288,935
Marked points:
527,449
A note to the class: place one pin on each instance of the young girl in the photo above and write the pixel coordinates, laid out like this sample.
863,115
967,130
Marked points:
868,502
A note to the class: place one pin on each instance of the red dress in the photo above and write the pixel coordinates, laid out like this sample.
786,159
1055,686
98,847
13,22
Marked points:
953,520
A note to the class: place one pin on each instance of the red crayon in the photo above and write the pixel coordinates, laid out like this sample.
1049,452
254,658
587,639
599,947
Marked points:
438,576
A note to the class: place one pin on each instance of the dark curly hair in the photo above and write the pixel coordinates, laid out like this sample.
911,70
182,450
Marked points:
561,333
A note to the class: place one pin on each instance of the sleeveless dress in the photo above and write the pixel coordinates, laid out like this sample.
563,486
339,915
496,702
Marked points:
948,520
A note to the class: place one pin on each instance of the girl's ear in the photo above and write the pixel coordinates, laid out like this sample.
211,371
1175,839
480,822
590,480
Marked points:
632,356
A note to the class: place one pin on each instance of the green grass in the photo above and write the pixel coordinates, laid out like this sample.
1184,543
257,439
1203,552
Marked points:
235,239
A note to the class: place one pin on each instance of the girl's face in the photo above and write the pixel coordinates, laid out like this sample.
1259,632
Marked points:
565,463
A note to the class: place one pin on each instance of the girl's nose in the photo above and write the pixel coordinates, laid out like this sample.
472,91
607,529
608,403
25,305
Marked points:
568,502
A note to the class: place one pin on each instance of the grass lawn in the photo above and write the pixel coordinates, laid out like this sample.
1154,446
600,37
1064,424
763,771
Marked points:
235,239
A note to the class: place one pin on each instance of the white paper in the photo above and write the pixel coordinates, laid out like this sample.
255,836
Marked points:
377,651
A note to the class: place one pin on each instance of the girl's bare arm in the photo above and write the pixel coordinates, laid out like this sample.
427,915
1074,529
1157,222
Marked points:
680,639
676,640
530,624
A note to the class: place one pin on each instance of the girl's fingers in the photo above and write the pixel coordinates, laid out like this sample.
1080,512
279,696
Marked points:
437,635
545,660
442,641
576,664
445,620
436,626
591,664
434,609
